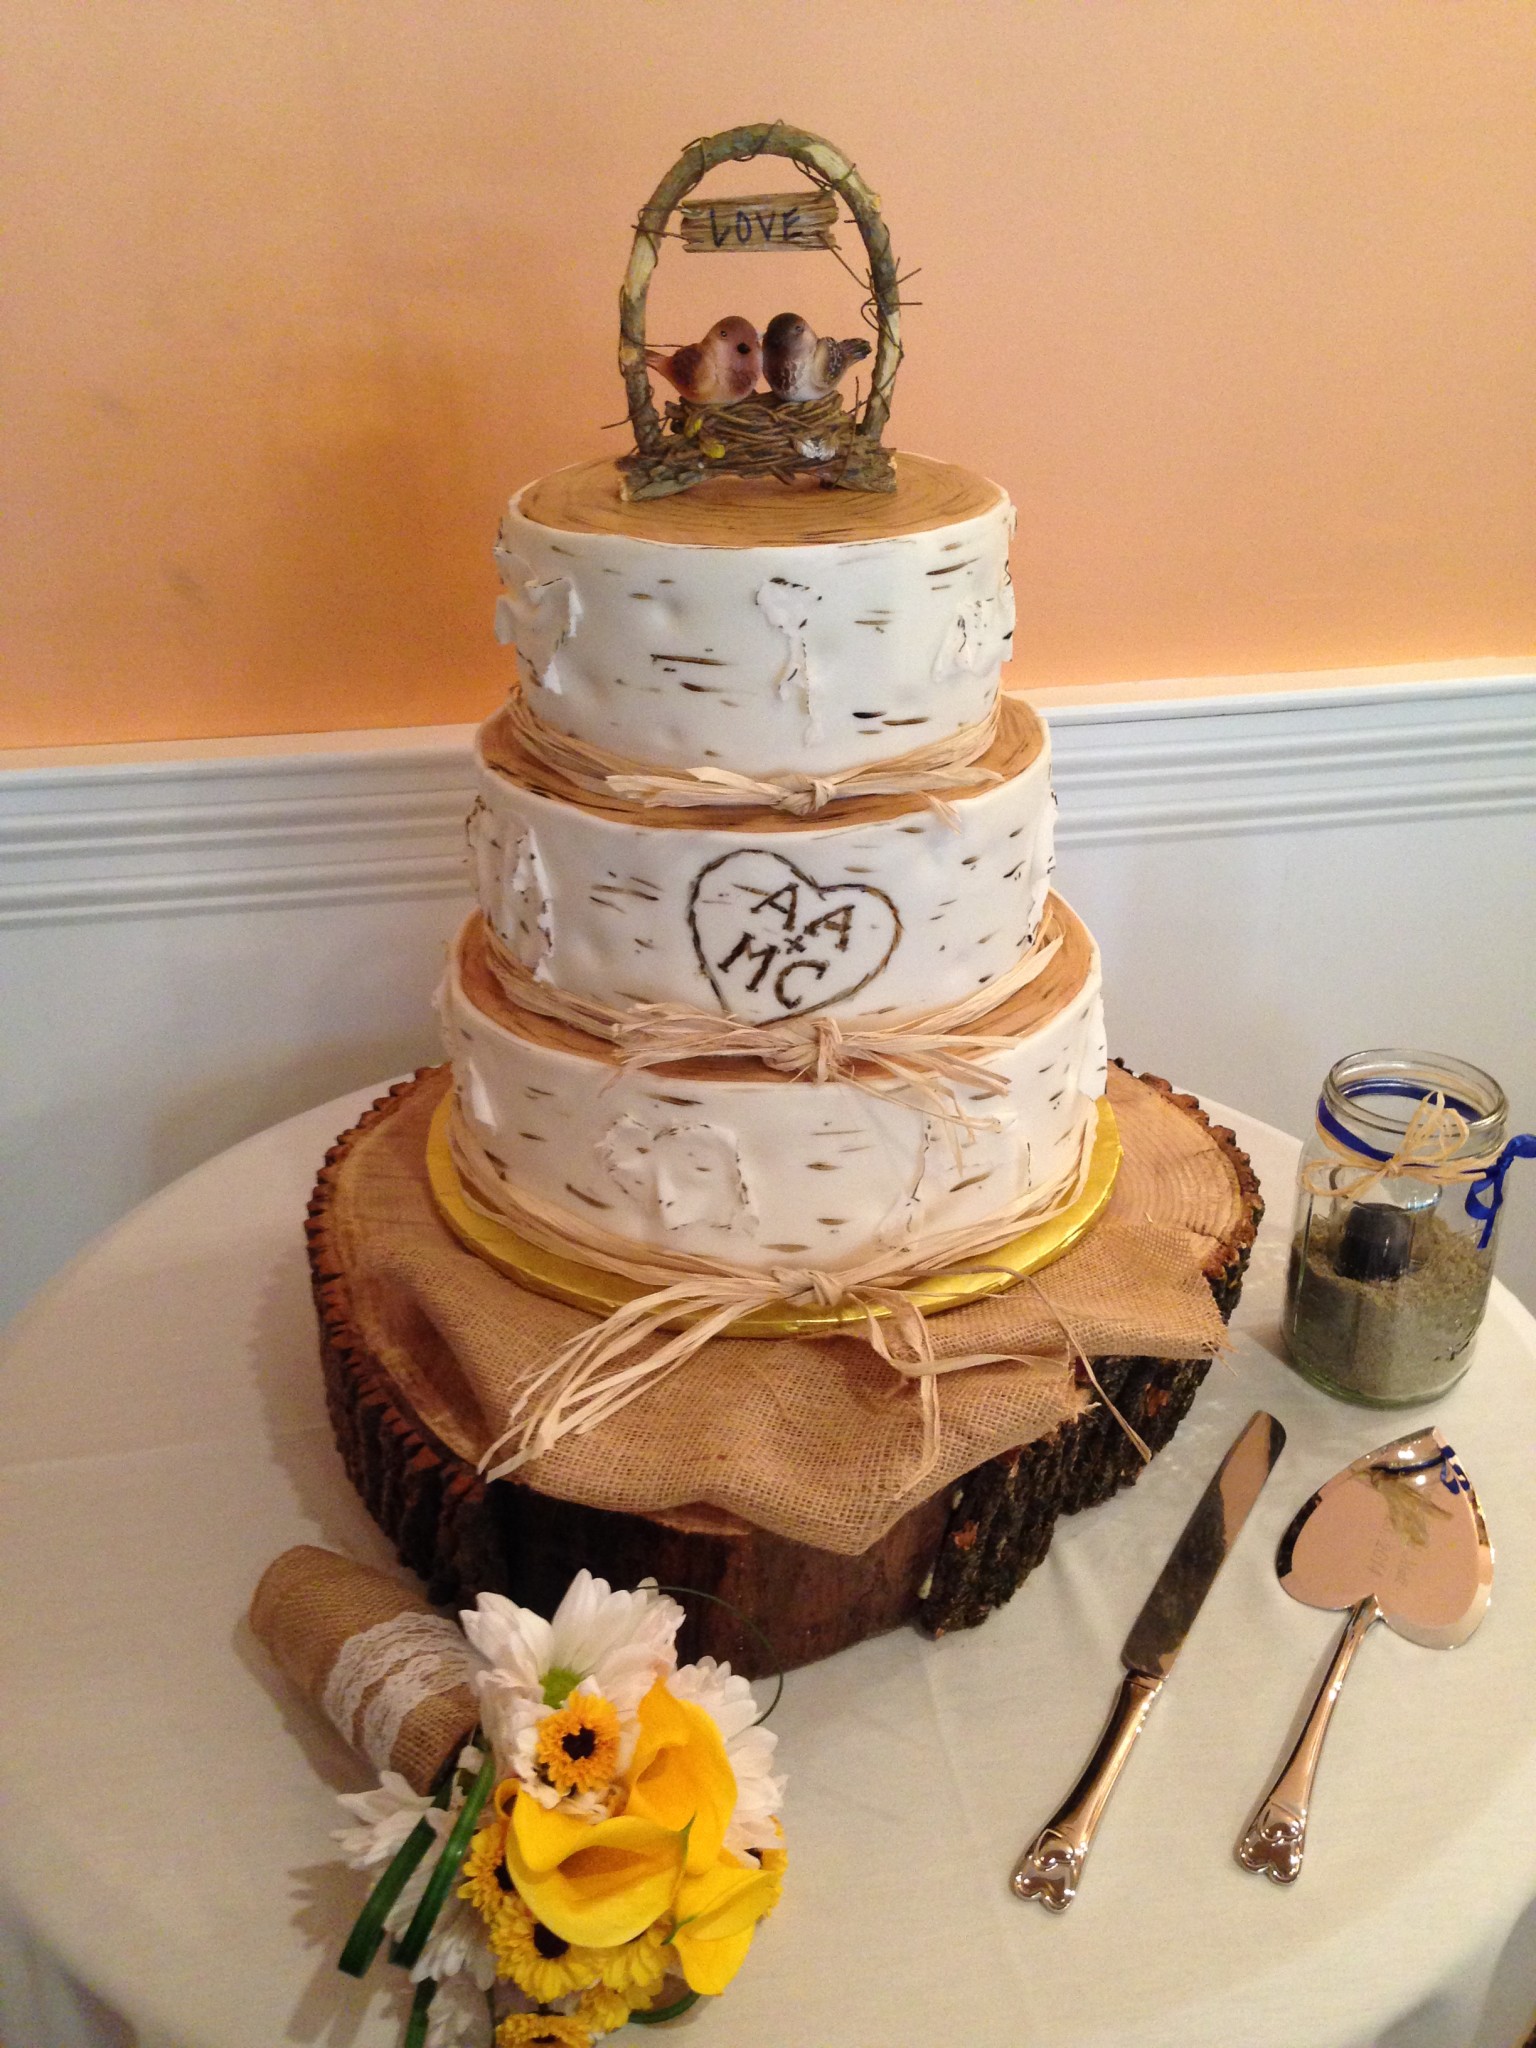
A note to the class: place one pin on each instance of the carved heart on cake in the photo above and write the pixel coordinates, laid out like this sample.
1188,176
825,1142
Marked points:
774,944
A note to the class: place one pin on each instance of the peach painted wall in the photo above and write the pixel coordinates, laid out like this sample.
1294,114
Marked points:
1235,296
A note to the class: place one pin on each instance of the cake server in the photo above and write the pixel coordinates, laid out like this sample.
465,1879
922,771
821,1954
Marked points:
1398,1537
1051,1866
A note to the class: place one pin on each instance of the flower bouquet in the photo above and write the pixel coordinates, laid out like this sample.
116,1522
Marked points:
602,1851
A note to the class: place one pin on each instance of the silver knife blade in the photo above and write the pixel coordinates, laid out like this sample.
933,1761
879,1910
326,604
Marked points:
1158,1632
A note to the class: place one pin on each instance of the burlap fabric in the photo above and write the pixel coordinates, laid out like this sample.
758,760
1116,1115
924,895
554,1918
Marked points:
314,1609
816,1440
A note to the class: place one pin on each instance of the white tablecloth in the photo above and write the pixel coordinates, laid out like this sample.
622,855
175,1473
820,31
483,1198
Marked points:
165,1803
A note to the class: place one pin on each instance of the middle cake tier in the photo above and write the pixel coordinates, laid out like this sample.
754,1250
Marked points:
874,905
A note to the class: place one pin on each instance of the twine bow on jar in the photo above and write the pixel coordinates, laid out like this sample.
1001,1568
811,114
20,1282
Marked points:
1430,1151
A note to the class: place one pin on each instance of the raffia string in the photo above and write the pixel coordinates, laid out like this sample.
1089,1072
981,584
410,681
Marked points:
947,764
1075,1354
1427,1151
603,1369
927,1054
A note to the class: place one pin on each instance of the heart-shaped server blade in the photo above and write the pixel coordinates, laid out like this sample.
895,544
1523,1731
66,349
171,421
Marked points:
1401,1524
1398,1536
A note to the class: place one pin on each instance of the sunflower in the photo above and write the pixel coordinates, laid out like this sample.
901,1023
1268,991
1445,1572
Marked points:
636,1969
542,2030
486,1884
577,1748
616,1644
602,2010
537,1960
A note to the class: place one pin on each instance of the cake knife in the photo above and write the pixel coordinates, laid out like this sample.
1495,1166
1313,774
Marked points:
1051,1866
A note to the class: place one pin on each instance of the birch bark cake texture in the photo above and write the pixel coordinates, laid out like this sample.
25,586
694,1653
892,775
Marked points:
767,1008
776,633
812,630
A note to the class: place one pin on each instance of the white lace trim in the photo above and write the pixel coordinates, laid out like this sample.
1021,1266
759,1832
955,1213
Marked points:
383,1673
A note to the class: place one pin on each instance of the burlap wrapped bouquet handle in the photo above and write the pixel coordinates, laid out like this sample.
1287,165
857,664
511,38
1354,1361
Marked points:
784,1476
394,1680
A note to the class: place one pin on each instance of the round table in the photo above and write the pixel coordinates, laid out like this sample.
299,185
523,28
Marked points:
166,1802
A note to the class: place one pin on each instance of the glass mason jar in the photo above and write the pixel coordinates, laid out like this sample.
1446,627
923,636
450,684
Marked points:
1389,1273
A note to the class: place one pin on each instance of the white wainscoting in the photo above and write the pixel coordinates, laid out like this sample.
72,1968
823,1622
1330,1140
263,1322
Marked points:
196,940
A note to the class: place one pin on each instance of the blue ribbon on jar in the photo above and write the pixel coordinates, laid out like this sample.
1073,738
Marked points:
1437,1130
1486,1194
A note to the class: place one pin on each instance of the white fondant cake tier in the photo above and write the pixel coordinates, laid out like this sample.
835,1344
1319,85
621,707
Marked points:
876,904
728,1160
756,628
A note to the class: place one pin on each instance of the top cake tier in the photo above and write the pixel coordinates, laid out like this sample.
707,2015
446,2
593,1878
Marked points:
802,630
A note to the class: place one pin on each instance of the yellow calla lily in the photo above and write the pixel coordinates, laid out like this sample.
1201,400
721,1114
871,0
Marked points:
598,1884
546,1835
680,1776
717,1916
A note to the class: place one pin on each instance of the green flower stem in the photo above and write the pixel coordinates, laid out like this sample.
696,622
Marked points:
407,1952
658,2014
368,1929
416,2026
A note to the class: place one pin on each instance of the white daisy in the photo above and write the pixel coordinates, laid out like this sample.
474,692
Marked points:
457,1944
457,2015
614,1645
388,1814
522,1730
728,1701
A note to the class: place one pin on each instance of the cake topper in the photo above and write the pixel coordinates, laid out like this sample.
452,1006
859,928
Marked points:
801,426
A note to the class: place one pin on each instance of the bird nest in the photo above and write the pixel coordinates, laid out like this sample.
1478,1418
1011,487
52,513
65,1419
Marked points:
761,436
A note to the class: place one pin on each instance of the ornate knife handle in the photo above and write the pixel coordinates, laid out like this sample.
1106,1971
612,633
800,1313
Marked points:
1051,1866
1277,1835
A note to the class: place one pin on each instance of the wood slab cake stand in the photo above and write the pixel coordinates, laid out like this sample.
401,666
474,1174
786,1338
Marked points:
946,1564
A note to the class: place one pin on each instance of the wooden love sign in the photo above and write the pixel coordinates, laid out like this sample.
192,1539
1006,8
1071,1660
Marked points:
758,223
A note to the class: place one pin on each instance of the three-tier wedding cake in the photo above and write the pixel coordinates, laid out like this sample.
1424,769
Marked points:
777,643
775,1065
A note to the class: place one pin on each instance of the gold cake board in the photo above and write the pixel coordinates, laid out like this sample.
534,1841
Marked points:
590,1287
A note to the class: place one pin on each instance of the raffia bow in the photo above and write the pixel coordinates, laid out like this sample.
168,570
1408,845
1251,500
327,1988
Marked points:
1429,1150
927,772
927,1054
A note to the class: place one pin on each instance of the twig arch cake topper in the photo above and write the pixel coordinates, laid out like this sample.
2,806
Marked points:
719,424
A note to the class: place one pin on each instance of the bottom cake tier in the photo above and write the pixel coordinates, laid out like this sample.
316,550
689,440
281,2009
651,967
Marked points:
731,1160
399,1346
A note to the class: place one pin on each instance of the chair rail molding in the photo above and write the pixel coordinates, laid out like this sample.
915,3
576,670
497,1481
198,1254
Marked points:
1363,754
371,816
374,816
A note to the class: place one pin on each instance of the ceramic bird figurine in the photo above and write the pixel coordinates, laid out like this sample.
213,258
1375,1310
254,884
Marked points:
800,365
719,370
